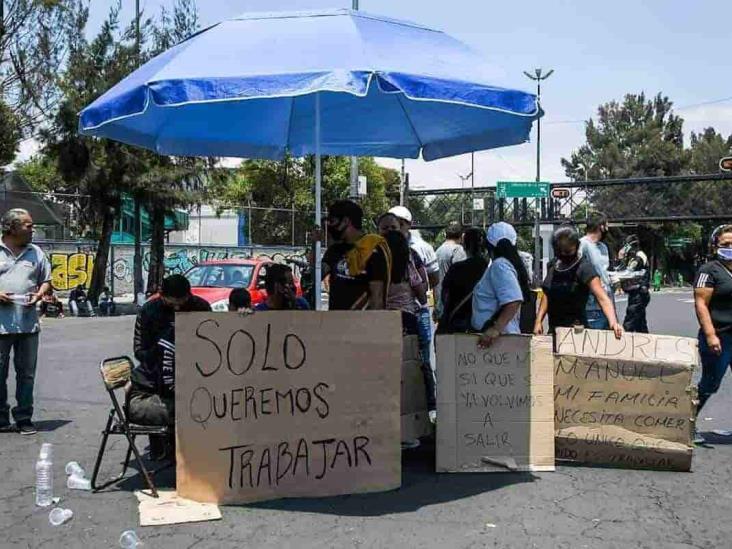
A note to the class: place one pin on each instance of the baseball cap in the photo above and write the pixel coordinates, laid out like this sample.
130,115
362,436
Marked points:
499,231
402,213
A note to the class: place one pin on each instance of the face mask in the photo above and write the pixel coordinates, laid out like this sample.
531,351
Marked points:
567,259
336,232
725,254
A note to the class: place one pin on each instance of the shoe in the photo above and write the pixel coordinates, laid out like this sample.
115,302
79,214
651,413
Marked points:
8,428
27,428
698,438
410,444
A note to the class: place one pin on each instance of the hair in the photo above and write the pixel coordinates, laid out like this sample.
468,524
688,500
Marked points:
10,220
717,232
276,272
347,208
596,220
399,247
508,251
453,231
176,286
632,240
240,298
474,242
565,233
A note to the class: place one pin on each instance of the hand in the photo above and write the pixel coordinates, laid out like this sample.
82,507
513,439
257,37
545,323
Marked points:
488,337
714,344
5,298
538,328
618,329
246,312
33,299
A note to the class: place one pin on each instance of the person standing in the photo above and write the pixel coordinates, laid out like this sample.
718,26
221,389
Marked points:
570,280
450,252
503,288
459,283
25,276
638,287
597,252
713,305
357,265
657,280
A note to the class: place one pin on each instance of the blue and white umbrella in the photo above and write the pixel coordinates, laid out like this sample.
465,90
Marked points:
336,82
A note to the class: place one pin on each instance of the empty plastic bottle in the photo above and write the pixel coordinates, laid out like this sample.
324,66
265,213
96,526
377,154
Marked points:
129,540
58,516
73,468
75,482
44,476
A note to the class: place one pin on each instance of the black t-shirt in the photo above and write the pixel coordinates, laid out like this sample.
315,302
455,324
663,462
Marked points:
716,276
351,292
567,290
459,282
51,309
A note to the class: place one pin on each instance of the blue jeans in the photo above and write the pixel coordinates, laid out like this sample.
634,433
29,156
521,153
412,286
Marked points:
424,333
596,320
713,366
25,356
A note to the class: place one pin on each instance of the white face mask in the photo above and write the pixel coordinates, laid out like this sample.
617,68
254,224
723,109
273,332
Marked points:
725,254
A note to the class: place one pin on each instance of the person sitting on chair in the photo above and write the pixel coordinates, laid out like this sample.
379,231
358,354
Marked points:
107,306
151,398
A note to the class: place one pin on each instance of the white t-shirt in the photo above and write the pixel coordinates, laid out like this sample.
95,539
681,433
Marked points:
498,287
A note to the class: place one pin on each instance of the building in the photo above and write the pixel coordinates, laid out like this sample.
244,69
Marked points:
208,226
48,218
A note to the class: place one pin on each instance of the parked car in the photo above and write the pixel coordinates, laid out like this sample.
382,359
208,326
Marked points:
214,280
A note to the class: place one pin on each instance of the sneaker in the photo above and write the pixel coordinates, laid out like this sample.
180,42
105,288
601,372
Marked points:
8,428
27,428
410,444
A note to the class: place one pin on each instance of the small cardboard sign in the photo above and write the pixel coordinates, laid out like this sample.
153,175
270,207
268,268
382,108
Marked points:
494,406
415,416
287,404
628,402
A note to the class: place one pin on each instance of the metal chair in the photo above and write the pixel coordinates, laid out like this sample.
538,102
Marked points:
115,375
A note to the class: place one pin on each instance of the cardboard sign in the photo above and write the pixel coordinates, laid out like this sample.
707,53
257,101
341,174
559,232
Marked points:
628,402
281,404
494,406
415,417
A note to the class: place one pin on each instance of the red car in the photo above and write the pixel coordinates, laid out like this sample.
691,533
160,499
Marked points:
214,280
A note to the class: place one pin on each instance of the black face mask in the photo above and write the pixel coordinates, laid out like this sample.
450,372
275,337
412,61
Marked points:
567,259
336,232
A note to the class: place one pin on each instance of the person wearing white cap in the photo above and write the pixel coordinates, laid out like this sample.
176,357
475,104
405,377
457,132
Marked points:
498,296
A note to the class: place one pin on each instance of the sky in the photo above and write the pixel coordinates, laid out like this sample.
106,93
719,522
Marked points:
599,50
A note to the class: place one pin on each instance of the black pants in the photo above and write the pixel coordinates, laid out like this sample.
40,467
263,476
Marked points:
635,314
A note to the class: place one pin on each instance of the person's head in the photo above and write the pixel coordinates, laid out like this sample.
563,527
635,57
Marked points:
475,242
453,232
280,283
722,242
48,293
239,300
105,289
405,218
502,239
387,222
597,224
345,219
399,248
17,225
175,291
565,242
632,242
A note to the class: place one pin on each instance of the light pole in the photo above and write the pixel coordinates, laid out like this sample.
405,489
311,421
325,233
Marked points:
354,159
538,76
137,212
463,179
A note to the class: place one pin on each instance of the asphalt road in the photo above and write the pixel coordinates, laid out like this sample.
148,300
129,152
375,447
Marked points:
572,507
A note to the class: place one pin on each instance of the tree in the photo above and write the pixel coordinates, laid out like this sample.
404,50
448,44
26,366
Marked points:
9,134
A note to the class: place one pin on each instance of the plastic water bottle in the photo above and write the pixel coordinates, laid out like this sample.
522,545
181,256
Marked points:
129,540
44,476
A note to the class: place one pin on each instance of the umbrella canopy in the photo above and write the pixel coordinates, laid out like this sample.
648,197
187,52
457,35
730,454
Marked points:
247,87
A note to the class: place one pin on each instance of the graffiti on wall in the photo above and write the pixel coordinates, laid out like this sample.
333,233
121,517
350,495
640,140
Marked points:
69,270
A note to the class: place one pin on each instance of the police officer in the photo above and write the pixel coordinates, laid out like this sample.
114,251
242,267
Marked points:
637,286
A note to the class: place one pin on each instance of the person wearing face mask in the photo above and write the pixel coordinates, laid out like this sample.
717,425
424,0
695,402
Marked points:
713,304
570,280
358,265
502,289
637,287
597,252
151,393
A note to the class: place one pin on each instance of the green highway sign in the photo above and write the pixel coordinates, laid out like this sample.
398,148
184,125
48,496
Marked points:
522,189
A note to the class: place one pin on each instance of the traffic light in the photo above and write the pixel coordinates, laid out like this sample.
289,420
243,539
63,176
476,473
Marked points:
560,193
726,164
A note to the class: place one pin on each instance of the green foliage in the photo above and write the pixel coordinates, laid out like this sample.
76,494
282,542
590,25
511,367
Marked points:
40,173
9,134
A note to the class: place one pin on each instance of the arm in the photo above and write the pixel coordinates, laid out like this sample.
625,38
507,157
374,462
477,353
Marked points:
143,344
606,306
377,295
39,294
507,312
543,309
702,298
434,278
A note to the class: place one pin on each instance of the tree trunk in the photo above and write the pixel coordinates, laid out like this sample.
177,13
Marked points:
156,270
99,273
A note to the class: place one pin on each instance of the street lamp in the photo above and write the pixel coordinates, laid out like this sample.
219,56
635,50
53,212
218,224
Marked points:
463,179
538,77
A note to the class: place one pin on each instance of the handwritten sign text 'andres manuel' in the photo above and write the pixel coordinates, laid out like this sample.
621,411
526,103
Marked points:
287,404
628,402
494,406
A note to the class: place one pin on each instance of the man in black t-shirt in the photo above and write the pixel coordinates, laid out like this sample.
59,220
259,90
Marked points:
713,304
358,265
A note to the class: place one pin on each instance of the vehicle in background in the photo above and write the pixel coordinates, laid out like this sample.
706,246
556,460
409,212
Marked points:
214,280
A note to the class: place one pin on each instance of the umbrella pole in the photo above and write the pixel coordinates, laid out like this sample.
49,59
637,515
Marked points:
318,176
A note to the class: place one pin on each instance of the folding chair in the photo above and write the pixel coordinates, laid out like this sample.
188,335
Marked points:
115,375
